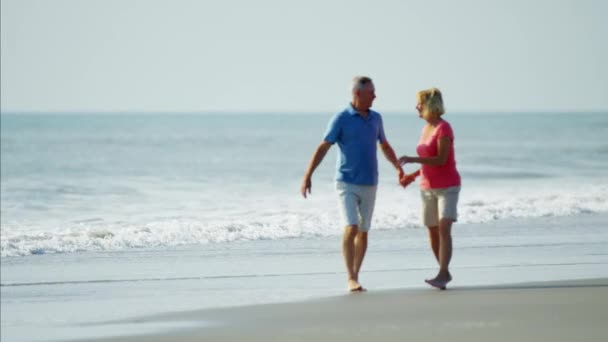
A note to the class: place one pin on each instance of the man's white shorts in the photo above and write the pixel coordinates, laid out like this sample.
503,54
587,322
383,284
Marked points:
356,203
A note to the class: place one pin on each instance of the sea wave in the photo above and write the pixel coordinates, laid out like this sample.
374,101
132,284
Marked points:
479,209
391,214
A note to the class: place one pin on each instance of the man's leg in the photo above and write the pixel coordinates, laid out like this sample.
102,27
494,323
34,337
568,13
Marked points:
360,249
366,203
349,251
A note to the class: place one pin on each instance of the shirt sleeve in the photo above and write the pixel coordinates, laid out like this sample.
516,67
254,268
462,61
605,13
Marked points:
381,136
445,130
333,130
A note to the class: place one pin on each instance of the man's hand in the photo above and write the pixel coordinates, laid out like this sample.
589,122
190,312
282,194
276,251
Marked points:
317,157
400,175
306,186
407,179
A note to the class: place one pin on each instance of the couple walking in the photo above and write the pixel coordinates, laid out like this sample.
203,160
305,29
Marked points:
356,131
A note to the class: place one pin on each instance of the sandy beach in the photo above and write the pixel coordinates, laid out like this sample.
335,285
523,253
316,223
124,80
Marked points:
551,311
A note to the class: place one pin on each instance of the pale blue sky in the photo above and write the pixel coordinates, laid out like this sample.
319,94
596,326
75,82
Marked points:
273,55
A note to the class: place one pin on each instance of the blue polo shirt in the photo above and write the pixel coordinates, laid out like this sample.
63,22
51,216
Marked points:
357,138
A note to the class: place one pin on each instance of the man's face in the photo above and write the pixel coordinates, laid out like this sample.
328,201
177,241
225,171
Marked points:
367,96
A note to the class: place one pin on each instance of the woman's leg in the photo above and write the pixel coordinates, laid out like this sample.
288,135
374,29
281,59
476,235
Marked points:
434,240
445,249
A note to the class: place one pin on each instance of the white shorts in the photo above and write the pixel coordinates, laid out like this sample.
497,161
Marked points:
356,203
438,204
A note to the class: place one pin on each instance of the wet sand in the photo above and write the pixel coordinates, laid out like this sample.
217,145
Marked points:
552,311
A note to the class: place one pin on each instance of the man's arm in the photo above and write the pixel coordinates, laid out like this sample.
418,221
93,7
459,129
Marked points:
391,157
316,159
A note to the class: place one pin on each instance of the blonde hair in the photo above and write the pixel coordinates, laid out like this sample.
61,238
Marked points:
432,102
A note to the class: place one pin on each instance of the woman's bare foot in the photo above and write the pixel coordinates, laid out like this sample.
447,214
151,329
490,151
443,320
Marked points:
436,283
440,281
354,286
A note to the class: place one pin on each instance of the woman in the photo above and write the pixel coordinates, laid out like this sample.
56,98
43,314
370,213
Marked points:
440,181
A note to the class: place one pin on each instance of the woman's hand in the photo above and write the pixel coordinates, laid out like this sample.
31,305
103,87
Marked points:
405,160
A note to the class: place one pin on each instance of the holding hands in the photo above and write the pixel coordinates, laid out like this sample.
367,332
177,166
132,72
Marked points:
404,178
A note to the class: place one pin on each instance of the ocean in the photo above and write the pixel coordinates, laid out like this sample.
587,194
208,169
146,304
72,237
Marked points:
178,211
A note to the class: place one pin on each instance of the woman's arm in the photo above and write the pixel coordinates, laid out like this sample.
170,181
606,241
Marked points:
443,150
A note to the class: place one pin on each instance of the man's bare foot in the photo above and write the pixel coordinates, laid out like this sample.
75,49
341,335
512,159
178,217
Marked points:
354,286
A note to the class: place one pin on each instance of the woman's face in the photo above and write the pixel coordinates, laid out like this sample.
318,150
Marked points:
419,108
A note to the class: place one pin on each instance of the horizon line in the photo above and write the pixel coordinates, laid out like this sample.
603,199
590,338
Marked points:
287,112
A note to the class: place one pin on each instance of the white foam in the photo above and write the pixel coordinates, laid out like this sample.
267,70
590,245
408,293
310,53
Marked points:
298,219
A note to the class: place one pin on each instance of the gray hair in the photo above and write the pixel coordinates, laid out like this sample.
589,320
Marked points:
361,82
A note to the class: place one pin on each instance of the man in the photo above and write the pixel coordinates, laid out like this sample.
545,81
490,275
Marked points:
356,130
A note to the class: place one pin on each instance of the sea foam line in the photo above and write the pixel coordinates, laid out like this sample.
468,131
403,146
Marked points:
390,214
